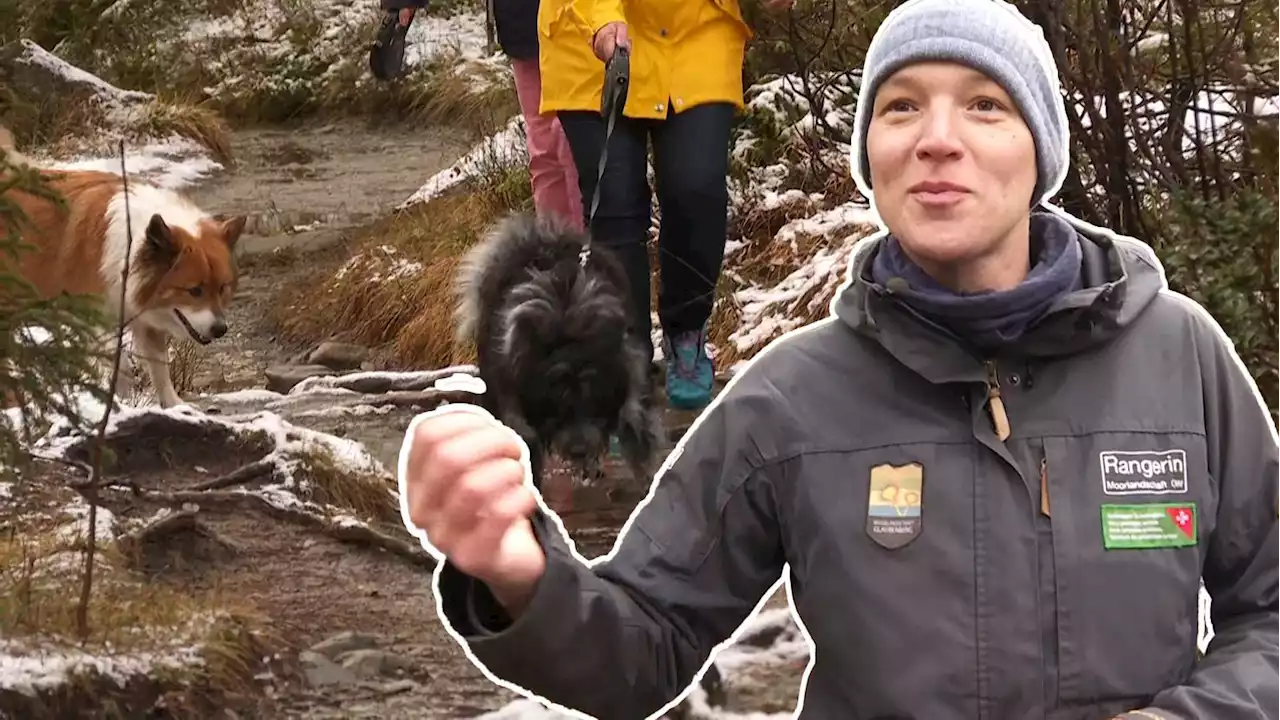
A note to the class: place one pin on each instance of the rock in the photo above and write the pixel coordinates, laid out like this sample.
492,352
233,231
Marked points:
339,355
281,378
343,643
321,671
34,73
370,663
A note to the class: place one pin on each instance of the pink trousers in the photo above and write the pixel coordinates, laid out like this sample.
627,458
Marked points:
551,170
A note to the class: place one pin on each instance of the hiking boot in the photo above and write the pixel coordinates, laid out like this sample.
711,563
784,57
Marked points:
690,374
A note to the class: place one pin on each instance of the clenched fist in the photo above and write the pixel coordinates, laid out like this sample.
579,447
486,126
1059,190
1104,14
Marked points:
608,39
463,487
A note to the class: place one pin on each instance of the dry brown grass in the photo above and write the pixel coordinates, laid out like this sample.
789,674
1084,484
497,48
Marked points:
41,562
366,494
185,365
396,291
196,122
448,91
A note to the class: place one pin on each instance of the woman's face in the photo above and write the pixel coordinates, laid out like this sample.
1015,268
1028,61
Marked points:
953,167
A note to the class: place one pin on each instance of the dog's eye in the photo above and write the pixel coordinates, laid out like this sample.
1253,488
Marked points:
196,291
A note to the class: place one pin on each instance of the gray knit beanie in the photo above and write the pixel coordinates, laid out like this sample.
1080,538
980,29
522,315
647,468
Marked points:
990,36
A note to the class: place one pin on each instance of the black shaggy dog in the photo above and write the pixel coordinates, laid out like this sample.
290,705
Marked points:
551,337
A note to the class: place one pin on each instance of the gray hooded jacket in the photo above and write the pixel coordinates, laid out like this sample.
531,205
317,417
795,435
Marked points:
940,570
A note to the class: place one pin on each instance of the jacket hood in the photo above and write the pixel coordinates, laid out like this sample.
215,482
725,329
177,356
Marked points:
1120,276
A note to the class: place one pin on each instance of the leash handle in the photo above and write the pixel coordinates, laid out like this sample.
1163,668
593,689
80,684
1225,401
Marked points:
617,75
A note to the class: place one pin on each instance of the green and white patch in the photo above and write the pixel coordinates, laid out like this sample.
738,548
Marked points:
1151,525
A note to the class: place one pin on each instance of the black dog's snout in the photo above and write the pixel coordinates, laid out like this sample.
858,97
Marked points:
219,328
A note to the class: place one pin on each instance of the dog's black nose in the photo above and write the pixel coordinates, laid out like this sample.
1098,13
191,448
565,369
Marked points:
219,328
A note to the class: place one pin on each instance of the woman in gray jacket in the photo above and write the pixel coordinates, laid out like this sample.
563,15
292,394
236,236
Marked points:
993,480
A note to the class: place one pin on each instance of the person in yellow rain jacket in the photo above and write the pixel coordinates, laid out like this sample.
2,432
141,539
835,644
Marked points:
684,92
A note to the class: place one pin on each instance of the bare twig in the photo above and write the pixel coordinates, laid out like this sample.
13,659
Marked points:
91,490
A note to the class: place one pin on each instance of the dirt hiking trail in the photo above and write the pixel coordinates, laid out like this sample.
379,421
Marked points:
366,638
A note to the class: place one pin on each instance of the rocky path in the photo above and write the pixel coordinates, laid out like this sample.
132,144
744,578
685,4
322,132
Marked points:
363,625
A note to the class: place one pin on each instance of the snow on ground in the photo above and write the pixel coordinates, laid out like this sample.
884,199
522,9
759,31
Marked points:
30,667
502,149
173,161
378,266
259,48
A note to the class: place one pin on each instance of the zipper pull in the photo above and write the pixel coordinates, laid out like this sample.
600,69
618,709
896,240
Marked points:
1044,487
995,403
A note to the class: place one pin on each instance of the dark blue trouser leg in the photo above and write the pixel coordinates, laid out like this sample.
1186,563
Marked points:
691,166
623,217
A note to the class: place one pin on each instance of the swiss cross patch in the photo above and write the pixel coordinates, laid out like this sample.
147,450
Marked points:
1183,518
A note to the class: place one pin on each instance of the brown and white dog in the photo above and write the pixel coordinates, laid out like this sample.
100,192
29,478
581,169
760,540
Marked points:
182,272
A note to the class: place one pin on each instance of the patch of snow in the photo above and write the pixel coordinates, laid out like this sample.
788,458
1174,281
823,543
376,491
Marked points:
334,383
465,382
103,92
247,395
29,667
502,149
379,267
461,35
78,528
769,312
175,163
320,44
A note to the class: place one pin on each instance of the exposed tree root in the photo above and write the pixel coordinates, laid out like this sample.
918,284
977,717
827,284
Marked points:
149,547
429,399
239,476
354,534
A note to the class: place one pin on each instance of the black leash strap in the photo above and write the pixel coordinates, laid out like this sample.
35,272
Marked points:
617,74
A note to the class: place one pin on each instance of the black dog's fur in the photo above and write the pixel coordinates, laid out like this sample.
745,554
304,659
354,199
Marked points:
552,341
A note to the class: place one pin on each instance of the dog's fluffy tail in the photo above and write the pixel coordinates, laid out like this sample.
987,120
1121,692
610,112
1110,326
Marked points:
11,150
510,243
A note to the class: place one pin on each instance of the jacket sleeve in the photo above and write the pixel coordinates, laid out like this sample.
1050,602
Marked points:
626,636
599,13
1237,677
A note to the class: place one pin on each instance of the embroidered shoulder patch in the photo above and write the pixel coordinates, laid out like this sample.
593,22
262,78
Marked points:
895,504
1150,525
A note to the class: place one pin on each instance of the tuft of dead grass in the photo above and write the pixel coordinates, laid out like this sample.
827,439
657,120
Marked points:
366,494
205,646
396,291
194,121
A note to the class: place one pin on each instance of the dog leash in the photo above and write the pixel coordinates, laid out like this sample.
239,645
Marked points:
617,75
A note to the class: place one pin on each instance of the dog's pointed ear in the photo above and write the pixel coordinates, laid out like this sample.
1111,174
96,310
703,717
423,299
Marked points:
159,238
232,228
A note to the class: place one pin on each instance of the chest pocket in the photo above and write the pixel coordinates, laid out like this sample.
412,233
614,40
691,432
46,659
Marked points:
1130,513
